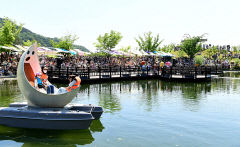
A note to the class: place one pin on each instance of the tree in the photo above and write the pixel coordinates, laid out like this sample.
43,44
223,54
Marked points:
235,50
66,42
108,41
9,32
149,42
29,43
211,52
126,49
191,45
168,48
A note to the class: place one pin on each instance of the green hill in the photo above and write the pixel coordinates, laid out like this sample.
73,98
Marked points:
26,34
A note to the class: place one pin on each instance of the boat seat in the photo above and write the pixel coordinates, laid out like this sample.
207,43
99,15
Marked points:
29,73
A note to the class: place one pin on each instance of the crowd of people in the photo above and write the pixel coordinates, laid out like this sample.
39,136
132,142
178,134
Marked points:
95,62
9,62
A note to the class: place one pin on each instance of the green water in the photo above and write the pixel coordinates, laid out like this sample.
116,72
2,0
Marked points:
144,113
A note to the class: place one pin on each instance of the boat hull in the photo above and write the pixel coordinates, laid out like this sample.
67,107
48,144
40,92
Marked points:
45,124
42,118
96,111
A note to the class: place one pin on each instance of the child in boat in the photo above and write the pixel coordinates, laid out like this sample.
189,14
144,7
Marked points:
44,77
74,83
38,83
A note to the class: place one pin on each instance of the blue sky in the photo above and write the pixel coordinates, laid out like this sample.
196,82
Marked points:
90,18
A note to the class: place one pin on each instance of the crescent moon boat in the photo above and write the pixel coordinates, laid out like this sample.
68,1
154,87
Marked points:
42,110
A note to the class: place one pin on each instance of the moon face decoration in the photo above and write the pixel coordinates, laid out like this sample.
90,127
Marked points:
28,66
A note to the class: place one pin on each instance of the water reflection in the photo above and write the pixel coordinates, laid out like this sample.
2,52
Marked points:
150,92
97,126
110,103
9,92
36,137
232,74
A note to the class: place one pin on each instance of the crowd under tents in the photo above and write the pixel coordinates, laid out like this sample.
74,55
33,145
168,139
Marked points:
140,53
10,48
51,51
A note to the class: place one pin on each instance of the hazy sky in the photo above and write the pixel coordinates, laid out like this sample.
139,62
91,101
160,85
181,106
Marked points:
90,18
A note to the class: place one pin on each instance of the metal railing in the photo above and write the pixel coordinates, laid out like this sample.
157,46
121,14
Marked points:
120,72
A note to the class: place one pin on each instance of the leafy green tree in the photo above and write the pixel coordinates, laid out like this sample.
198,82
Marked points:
108,41
179,54
9,32
29,43
125,49
199,59
235,50
191,46
148,42
65,42
168,48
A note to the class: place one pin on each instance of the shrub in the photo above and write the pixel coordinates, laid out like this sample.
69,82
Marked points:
236,63
198,60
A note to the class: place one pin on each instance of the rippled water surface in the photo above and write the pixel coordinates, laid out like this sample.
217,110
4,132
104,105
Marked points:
144,113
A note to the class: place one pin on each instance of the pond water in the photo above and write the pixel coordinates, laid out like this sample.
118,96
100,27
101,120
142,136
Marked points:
144,113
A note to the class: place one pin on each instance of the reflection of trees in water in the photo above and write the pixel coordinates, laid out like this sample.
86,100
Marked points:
109,102
230,82
150,91
96,126
8,92
232,74
36,137
107,99
226,85
190,91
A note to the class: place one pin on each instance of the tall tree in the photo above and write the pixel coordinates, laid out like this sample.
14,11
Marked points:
168,48
191,45
108,41
125,49
29,43
9,32
149,42
66,42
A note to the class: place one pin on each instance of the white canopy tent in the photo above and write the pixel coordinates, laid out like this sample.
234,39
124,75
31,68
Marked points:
10,48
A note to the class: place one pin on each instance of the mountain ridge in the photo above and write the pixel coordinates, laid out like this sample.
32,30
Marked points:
27,34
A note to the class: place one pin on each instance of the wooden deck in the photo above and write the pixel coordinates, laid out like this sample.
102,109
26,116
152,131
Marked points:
120,73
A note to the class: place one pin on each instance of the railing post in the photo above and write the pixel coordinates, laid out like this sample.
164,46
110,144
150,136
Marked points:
147,70
195,75
216,70
210,72
110,70
59,72
183,71
67,72
120,71
130,71
205,72
138,68
99,69
51,71
163,70
88,72
171,71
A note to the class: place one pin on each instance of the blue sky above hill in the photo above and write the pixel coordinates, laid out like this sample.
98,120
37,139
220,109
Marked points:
89,18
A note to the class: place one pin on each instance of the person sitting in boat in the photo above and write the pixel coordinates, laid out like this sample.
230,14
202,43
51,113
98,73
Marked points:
38,82
74,83
44,77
